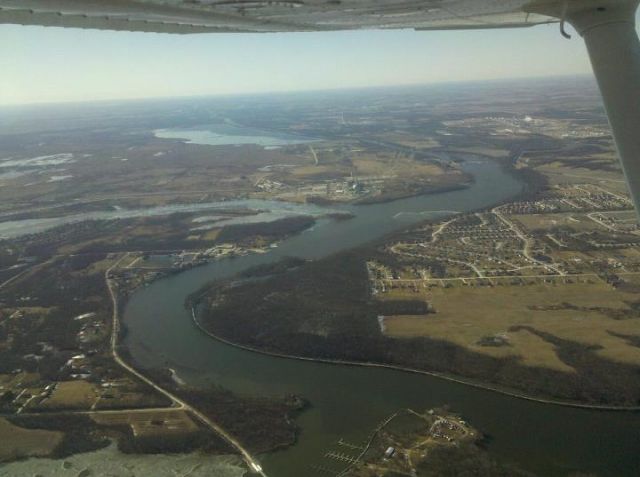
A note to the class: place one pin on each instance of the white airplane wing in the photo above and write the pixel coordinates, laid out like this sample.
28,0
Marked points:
201,16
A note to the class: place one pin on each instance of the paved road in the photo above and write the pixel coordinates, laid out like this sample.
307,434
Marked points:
526,242
25,271
440,229
315,156
176,401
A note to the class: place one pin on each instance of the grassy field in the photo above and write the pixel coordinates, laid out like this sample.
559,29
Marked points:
577,312
483,151
560,174
367,164
25,379
210,235
376,165
150,424
410,140
128,397
72,394
17,442
628,216
103,265
320,171
578,222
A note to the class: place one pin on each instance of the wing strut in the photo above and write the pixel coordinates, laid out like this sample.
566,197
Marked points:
612,42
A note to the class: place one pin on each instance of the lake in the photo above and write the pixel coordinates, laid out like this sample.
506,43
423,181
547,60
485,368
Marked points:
230,134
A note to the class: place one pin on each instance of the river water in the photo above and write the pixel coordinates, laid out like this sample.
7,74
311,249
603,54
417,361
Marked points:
348,402
262,211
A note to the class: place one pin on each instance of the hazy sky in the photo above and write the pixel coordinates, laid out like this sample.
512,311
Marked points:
54,64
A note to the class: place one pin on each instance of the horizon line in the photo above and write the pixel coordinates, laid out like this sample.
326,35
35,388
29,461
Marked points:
284,92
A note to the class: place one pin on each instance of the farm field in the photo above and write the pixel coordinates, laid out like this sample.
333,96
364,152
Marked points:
470,317
71,395
18,442
151,423
535,222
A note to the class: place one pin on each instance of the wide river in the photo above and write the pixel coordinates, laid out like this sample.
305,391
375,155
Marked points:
347,402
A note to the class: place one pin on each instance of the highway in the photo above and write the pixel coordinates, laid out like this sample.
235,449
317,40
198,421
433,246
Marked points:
177,403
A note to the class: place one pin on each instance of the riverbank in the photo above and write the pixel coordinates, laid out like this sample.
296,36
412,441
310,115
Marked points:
325,310
404,369
347,401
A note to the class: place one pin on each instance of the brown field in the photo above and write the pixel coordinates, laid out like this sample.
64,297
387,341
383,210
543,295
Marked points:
628,216
572,255
401,166
410,140
483,151
17,442
122,399
71,394
464,315
210,235
27,310
103,265
152,423
557,173
24,379
632,278
576,221
311,171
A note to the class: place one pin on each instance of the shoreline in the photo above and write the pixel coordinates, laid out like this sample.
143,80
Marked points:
450,378
176,402
532,182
